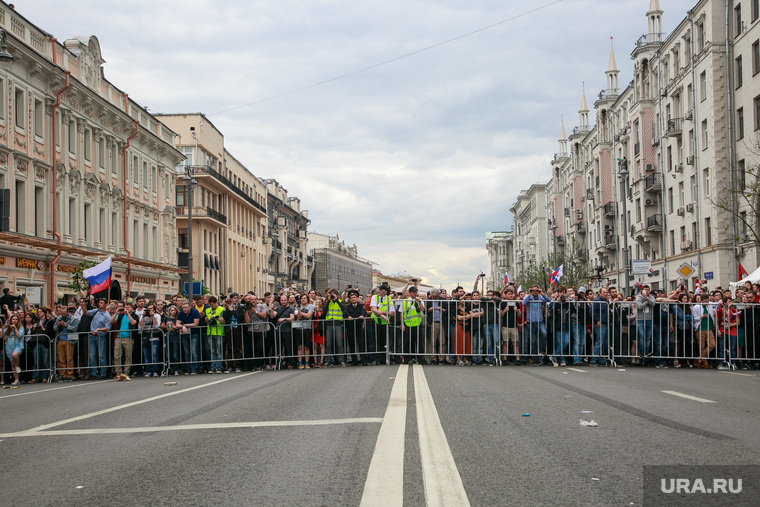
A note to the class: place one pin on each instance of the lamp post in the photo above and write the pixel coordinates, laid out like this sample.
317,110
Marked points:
6,59
276,259
190,184
553,227
623,175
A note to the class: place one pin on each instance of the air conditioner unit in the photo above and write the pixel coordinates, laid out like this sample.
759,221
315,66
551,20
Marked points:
664,92
608,228
678,168
649,202
680,212
655,141
617,138
583,199
579,213
690,208
690,160
686,244
689,115
567,212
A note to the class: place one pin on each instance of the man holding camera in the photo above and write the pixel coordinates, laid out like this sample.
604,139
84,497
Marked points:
381,307
124,322
215,333
334,313
412,312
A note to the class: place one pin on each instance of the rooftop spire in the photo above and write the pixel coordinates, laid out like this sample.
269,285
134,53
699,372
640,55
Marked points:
612,67
562,135
584,105
654,6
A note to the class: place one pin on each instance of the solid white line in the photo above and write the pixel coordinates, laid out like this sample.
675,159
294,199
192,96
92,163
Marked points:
152,429
385,478
443,484
576,369
688,397
735,373
51,389
132,404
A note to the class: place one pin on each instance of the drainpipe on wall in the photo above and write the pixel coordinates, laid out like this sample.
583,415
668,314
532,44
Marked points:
124,211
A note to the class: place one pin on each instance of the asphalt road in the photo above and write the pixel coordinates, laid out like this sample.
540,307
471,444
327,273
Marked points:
383,435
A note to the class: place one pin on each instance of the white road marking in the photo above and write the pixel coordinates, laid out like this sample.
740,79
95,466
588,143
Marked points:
443,484
576,369
385,478
131,404
48,390
185,427
735,373
688,397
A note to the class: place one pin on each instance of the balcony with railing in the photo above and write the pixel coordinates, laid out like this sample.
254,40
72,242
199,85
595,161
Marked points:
653,182
610,242
580,227
609,209
650,38
674,128
199,171
654,223
201,213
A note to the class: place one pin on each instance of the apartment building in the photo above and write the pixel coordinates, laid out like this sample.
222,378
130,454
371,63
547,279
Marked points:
227,209
337,265
500,254
686,131
85,171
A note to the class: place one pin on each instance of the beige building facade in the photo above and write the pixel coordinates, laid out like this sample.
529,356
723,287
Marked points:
228,207
86,171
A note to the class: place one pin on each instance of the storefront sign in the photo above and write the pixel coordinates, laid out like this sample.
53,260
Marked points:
144,279
34,295
68,269
29,263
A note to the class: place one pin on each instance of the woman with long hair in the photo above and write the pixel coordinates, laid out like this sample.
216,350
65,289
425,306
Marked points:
13,337
302,331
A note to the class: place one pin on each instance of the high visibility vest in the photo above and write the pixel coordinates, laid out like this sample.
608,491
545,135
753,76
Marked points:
334,312
216,329
384,305
412,316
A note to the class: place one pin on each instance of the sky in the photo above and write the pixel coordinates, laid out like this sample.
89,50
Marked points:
406,127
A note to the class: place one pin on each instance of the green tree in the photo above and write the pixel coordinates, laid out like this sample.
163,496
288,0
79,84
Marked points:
77,282
742,201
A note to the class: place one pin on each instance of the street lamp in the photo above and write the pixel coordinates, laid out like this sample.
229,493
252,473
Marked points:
6,59
553,227
190,184
276,259
623,175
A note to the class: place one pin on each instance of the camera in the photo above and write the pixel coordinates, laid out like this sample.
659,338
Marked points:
248,305
350,286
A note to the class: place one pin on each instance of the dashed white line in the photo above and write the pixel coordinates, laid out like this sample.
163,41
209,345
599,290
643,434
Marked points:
441,479
736,373
385,478
27,393
688,397
576,369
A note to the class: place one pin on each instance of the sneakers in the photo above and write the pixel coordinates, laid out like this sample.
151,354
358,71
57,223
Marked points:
219,371
237,370
661,366
210,372
723,366
176,373
563,363
192,373
146,375
16,383
300,365
342,364
554,362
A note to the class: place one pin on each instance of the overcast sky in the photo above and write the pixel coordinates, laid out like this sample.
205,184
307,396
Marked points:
412,160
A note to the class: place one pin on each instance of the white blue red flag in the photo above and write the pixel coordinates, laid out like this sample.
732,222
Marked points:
99,276
506,278
556,275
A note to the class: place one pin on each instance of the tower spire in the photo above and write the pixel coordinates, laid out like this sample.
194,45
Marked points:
612,73
583,111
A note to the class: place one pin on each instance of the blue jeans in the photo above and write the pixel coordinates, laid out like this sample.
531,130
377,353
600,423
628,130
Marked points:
41,361
644,336
600,344
173,339
97,354
190,350
476,345
216,342
334,342
150,356
491,333
578,331
537,336
721,344
562,340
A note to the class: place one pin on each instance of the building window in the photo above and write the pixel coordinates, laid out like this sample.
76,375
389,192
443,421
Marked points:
706,181
739,73
742,175
87,144
670,200
704,134
114,160
2,98
740,123
700,36
135,170
755,57
672,242
738,20
39,110
72,136
187,151
703,85
101,147
755,9
708,232
19,107
145,175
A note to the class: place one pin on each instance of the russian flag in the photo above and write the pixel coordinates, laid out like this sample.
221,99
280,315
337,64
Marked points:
506,278
742,273
99,276
556,275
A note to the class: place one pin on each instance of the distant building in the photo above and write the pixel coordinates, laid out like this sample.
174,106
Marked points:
500,257
338,265
396,282
289,263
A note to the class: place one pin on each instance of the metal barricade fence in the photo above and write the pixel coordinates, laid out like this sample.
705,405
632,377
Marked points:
34,360
748,334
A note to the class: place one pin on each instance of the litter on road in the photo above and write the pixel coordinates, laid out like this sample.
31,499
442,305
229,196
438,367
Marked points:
590,424
525,415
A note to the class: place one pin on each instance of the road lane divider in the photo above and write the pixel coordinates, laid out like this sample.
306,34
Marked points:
385,478
441,479
688,396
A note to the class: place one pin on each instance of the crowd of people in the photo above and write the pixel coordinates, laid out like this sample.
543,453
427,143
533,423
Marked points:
97,339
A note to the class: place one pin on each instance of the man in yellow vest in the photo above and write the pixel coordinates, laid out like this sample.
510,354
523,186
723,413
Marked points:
334,313
215,333
411,324
382,309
